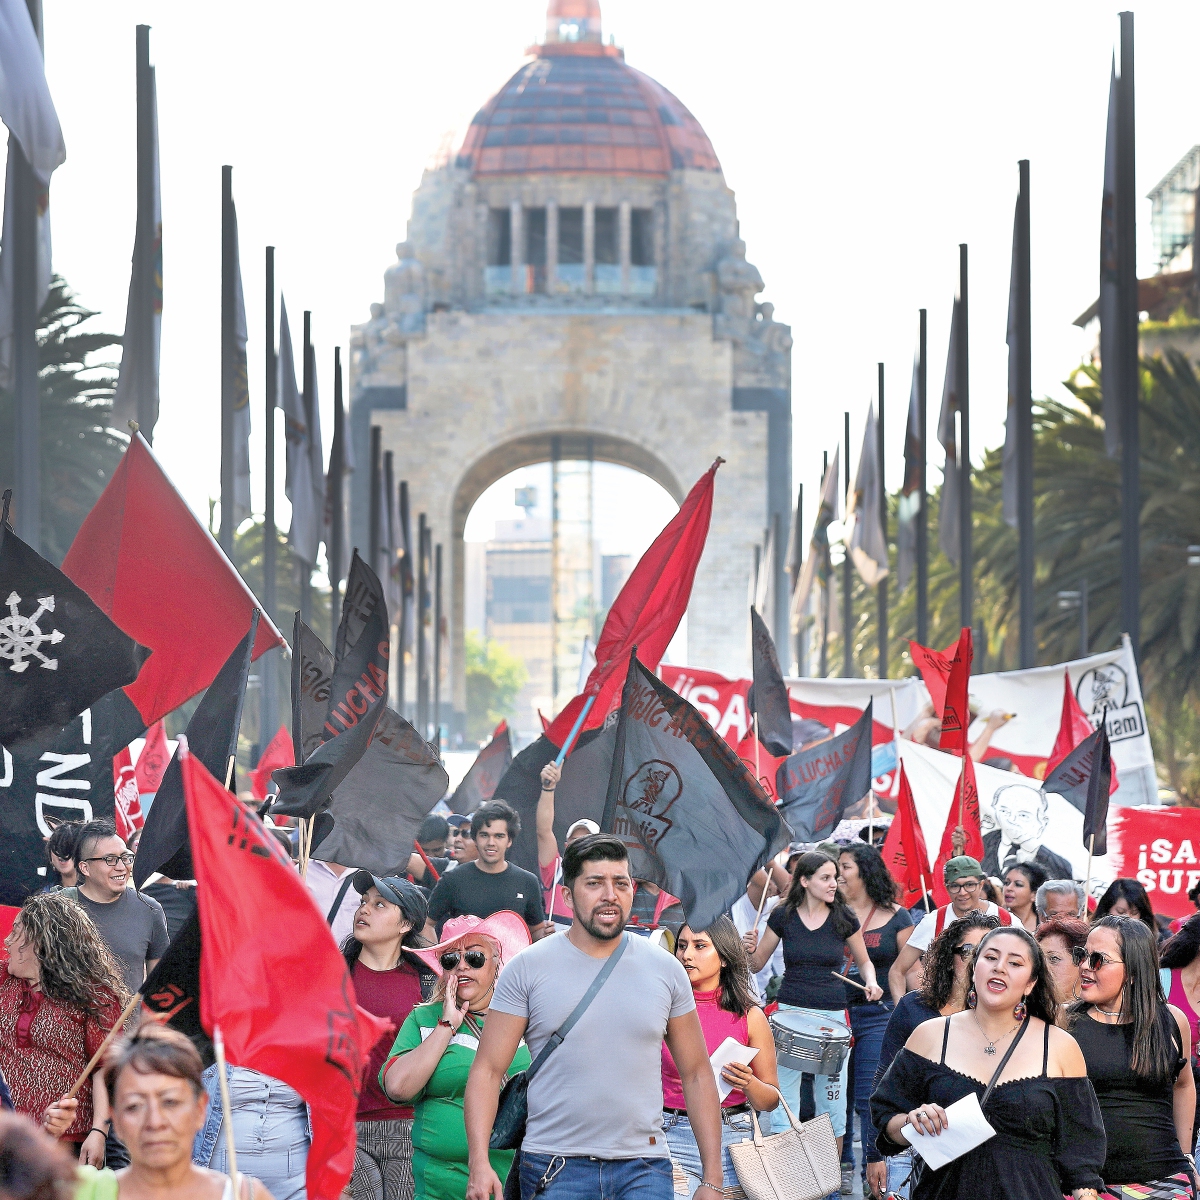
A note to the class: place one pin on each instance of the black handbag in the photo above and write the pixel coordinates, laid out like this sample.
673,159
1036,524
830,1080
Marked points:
508,1130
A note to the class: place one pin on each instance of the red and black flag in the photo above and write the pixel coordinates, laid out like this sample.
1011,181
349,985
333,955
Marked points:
171,993
285,1003
1086,779
59,653
768,697
212,736
693,817
478,785
817,785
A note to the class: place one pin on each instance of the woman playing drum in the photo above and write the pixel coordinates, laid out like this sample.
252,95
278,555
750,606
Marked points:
816,929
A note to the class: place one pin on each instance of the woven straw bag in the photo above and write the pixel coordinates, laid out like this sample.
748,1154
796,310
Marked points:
800,1163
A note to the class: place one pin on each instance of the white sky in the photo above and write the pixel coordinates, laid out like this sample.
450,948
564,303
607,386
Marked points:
863,142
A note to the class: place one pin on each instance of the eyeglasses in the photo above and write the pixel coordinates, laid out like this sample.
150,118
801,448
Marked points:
111,860
965,951
1095,959
963,885
475,959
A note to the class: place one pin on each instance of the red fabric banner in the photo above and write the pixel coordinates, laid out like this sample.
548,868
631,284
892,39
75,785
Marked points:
127,807
8,914
157,573
1160,848
279,753
152,762
956,712
284,1001
904,851
965,806
934,666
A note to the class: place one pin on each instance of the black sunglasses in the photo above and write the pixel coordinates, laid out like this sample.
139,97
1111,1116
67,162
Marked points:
1095,959
965,951
475,959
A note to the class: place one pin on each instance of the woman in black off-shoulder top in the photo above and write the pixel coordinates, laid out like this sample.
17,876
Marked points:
1049,1137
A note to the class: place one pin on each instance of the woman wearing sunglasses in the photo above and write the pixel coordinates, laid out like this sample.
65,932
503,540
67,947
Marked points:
1137,1048
433,1052
947,978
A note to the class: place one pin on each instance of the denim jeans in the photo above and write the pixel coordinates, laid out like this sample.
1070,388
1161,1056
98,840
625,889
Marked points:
685,1153
868,1023
587,1178
899,1168
829,1093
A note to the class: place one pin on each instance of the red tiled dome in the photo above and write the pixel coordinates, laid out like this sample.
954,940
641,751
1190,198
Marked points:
579,107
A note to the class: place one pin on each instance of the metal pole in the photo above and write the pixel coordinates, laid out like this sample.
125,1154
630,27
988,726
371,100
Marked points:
827,589
336,499
962,386
1024,412
405,573
374,553
228,319
923,513
1083,619
847,569
882,587
146,232
270,699
307,396
797,562
437,647
1128,365
422,672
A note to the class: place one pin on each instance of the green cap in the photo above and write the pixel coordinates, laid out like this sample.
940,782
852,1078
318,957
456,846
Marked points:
962,867
830,848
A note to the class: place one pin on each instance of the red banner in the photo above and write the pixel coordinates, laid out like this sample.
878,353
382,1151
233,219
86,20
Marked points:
1160,848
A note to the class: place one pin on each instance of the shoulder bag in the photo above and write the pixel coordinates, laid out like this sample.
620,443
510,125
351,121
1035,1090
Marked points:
508,1130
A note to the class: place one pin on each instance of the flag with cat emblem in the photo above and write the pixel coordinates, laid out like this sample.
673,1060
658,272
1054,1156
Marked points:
58,652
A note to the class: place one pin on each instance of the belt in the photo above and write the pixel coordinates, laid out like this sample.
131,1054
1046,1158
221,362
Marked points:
727,1108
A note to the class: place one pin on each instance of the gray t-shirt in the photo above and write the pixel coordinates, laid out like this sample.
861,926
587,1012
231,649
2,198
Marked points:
135,929
600,1093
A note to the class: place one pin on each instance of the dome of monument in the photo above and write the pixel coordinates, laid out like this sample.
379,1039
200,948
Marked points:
579,107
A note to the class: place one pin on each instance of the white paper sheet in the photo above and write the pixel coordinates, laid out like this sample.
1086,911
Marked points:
966,1128
728,1052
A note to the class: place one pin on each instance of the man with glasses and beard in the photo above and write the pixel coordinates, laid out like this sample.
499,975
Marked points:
963,877
595,1106
133,926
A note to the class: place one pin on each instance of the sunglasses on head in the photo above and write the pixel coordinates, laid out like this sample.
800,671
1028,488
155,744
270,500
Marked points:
475,959
1095,959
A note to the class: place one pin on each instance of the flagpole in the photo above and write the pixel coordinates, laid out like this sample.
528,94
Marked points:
374,530
336,499
882,586
896,738
924,891
228,318
270,698
109,1038
958,839
923,513
406,571
756,770
226,1109
962,385
825,603
579,720
145,233
307,372
1024,412
422,669
1087,891
437,648
797,563
847,576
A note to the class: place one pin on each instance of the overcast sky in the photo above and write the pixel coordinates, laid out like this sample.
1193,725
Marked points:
864,142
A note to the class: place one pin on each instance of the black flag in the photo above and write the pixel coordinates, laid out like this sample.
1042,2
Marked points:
212,736
58,652
816,786
478,785
172,990
312,679
358,697
768,696
695,820
1084,779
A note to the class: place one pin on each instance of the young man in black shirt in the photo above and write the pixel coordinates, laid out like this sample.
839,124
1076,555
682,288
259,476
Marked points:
490,883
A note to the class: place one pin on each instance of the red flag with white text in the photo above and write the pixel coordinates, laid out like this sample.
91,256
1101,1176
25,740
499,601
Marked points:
127,807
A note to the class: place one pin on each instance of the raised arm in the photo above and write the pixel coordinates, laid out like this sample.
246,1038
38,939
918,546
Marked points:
547,842
685,1040
501,1036
760,949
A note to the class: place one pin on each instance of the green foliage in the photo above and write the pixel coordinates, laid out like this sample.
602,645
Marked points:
78,451
494,677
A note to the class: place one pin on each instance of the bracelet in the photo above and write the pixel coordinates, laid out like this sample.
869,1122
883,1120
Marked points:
447,1024
97,1129
718,1189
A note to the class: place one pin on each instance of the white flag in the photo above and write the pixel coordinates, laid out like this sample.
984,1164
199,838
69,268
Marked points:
868,547
305,533
28,111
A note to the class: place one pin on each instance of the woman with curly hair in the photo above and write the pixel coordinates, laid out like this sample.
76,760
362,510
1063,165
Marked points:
61,991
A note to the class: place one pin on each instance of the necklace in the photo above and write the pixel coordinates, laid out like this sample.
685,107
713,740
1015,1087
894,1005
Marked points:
1104,1012
990,1048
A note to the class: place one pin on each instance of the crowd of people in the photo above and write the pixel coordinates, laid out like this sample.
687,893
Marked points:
1075,1032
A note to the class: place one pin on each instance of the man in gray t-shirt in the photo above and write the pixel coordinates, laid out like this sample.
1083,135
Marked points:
595,1107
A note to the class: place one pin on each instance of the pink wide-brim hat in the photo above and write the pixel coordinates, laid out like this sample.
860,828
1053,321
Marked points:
505,928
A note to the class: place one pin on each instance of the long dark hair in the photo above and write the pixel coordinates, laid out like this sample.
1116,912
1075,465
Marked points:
882,889
1040,1002
1177,952
1134,895
938,983
736,996
807,865
413,912
1035,875
1154,1050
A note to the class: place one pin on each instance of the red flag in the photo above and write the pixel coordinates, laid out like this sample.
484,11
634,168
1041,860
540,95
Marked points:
904,851
1073,727
8,914
647,610
279,753
964,810
127,807
152,762
285,1003
157,573
956,712
934,666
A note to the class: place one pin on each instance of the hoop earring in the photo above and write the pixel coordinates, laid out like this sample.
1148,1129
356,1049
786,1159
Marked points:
1020,1012
972,997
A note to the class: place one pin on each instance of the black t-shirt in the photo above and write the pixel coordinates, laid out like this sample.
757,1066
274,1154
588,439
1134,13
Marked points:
468,891
1139,1117
882,950
809,957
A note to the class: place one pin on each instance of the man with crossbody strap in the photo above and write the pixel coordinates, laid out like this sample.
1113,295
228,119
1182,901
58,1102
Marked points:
594,1128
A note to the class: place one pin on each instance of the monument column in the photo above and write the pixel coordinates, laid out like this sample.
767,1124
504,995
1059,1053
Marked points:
516,241
624,240
589,246
551,247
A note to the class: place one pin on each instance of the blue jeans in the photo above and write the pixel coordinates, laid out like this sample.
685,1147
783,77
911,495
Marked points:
829,1091
587,1178
868,1023
899,1168
685,1153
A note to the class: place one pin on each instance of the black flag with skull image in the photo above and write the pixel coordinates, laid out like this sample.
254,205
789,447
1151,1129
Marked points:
693,817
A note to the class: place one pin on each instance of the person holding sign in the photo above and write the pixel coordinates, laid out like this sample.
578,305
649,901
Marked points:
716,966
1037,1132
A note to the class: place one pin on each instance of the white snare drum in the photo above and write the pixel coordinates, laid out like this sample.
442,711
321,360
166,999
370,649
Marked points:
818,1045
659,935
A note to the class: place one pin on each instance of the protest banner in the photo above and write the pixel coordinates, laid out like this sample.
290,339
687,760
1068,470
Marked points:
1160,848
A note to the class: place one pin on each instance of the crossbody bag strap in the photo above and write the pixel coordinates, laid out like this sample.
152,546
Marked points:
333,912
1004,1061
556,1038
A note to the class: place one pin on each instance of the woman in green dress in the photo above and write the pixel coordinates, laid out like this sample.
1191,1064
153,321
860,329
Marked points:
436,1045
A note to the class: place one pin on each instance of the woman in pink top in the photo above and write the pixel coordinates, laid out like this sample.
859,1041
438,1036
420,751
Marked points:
719,970
1181,956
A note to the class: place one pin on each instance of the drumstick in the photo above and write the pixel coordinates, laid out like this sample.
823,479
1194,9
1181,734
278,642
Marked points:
851,982
104,1045
762,899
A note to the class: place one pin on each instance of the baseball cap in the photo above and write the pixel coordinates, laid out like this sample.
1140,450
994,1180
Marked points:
405,895
587,823
962,867
456,820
